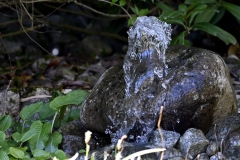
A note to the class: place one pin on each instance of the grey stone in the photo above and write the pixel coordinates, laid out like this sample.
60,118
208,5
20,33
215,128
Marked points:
202,156
172,154
9,102
218,156
212,148
170,138
192,143
227,135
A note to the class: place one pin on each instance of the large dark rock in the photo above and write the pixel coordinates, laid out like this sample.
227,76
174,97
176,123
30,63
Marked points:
195,93
192,84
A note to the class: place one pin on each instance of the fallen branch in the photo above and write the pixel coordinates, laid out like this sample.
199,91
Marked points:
34,97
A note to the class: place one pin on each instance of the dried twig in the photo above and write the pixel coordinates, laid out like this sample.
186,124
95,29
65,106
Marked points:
160,132
34,97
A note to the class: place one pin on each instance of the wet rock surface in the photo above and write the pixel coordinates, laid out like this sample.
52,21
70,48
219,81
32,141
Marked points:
195,93
192,143
170,138
227,135
192,84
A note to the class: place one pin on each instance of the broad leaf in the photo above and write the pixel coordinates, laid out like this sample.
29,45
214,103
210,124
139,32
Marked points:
28,135
30,110
60,154
194,12
3,155
215,31
16,136
53,142
46,111
2,136
220,13
15,152
74,97
206,16
164,7
182,8
232,8
143,12
41,135
122,2
113,2
170,14
174,21
5,122
41,154
180,39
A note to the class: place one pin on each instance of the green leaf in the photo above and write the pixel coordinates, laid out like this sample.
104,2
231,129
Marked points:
182,8
122,2
3,155
216,31
174,21
74,97
143,12
15,152
16,136
60,154
46,111
82,151
206,16
113,2
5,122
41,135
27,135
2,136
164,7
219,14
41,154
168,15
131,21
53,142
195,11
180,39
232,8
30,110
201,1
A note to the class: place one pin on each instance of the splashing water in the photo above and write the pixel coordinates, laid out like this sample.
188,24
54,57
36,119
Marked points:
145,60
148,40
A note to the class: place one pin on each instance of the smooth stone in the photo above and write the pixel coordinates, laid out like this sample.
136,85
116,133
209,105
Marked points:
172,154
9,102
196,93
227,134
202,156
170,139
212,148
218,156
192,143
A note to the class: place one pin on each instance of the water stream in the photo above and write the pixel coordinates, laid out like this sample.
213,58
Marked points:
148,40
145,60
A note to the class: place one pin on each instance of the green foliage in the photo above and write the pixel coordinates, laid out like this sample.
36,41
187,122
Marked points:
192,15
34,139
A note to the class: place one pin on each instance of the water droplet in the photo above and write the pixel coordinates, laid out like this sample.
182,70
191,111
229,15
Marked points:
205,67
164,85
195,97
178,120
184,51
